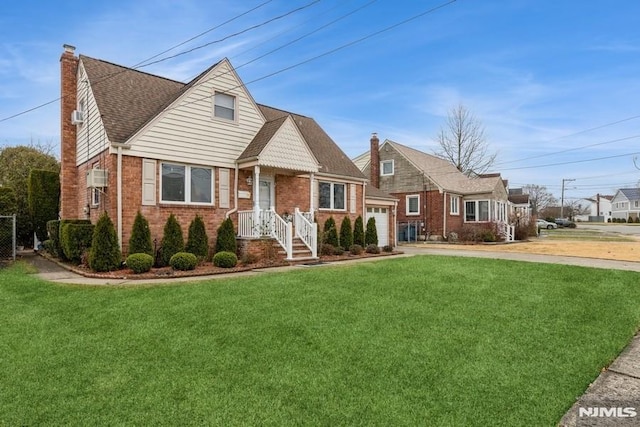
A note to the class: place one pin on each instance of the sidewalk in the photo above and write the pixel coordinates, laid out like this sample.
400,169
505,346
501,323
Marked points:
616,387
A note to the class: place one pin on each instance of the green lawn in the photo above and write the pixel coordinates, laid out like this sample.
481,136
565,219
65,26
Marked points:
588,235
409,341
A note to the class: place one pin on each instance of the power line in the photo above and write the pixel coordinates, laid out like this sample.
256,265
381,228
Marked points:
137,66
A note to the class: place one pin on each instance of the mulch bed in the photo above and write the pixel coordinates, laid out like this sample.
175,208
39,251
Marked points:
204,269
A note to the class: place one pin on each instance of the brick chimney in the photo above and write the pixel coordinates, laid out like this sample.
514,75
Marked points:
375,161
68,103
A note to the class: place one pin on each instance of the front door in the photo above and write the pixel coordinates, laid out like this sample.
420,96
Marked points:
265,194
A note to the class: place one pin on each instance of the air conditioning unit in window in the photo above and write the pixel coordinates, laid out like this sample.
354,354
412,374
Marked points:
77,117
97,178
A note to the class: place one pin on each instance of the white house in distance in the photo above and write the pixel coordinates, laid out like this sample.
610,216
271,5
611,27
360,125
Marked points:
626,204
599,209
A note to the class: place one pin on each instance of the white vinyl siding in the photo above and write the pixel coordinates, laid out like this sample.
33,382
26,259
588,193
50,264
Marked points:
287,149
224,188
148,182
186,132
91,129
185,184
413,204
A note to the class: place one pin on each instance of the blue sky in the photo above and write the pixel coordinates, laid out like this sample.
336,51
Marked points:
555,83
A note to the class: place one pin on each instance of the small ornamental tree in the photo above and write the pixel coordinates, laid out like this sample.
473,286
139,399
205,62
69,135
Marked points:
346,234
172,240
198,241
105,252
43,199
226,237
140,241
330,234
358,232
371,235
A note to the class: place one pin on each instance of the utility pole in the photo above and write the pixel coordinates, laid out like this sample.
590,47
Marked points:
562,196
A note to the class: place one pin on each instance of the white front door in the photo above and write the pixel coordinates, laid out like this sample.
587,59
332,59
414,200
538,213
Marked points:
266,194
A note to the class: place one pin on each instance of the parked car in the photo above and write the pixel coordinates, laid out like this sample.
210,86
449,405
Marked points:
546,224
563,222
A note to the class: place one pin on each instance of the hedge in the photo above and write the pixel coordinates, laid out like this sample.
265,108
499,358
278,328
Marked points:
75,238
43,199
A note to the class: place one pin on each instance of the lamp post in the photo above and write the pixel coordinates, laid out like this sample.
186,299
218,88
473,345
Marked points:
562,196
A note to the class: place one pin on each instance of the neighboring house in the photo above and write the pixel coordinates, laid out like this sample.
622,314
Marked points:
596,208
133,141
432,192
519,205
626,204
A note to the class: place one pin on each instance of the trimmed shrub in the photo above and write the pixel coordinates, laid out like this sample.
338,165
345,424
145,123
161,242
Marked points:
43,199
140,241
356,250
358,232
225,259
48,246
372,249
105,252
75,238
387,248
327,249
53,231
330,233
139,262
346,234
226,237
371,235
198,241
172,240
183,261
338,251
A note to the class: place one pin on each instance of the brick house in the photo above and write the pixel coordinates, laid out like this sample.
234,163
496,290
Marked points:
132,141
433,193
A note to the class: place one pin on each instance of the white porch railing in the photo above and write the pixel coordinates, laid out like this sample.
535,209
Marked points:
269,223
306,230
507,231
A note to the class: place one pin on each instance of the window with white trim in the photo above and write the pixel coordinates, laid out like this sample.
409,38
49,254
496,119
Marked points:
476,211
455,205
95,192
413,204
332,195
386,167
224,106
186,184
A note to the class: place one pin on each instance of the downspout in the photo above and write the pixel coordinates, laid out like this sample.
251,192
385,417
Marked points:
119,148
444,216
235,194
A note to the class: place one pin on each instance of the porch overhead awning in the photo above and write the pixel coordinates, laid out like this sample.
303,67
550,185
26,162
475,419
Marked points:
279,144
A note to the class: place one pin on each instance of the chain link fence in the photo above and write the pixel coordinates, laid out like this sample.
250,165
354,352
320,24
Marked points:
7,238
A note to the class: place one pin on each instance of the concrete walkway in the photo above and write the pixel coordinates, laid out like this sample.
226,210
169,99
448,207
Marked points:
608,401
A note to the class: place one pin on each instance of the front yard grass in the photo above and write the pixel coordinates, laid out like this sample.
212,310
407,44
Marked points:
586,235
425,340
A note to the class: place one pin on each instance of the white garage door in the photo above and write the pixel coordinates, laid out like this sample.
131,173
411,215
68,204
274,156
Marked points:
382,224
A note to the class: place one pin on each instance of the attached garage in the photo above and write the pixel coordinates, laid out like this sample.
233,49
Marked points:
381,216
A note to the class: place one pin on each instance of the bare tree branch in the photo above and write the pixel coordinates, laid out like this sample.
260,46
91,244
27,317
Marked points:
463,142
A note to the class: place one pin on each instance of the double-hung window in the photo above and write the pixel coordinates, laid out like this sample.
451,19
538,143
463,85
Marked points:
455,205
476,211
386,167
332,195
224,106
413,204
187,184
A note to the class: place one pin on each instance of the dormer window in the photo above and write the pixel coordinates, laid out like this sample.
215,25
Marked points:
224,106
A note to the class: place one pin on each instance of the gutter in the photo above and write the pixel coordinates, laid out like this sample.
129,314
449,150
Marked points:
235,193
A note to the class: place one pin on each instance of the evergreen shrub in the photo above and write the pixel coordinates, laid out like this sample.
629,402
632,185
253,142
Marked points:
105,254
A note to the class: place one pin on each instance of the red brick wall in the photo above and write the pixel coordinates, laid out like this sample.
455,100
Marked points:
68,172
432,210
